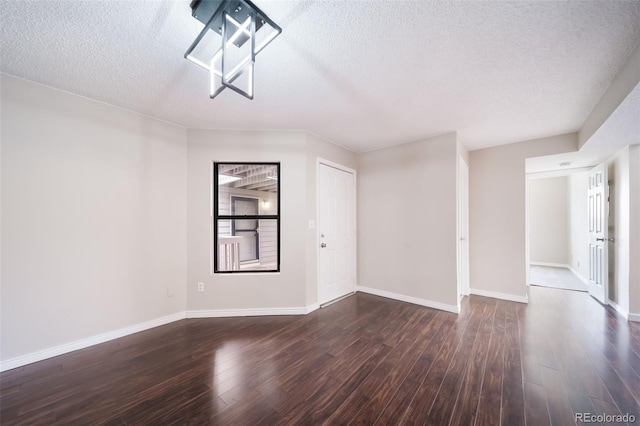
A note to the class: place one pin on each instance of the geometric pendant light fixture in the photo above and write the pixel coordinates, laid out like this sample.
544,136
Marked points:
234,33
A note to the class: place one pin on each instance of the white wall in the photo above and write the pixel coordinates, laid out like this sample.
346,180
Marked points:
93,218
634,232
295,285
578,185
497,213
244,291
619,255
549,220
623,83
94,210
407,208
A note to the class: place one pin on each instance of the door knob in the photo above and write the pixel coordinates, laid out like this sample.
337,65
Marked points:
323,245
599,239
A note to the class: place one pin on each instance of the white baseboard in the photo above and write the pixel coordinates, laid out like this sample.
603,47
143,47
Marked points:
90,341
577,274
312,307
105,337
619,309
409,299
261,312
553,265
562,265
503,296
634,317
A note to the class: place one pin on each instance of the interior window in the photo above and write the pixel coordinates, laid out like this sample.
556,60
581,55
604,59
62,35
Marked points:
246,220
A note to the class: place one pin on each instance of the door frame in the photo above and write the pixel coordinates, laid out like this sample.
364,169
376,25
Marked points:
464,277
593,235
323,161
528,178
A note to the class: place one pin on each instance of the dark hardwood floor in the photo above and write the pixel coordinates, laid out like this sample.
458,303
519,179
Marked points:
363,360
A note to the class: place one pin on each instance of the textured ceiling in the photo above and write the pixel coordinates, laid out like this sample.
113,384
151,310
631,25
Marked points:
622,128
363,74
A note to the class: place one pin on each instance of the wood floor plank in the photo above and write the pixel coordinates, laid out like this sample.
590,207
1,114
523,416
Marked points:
605,408
448,366
535,403
512,410
372,396
560,412
328,403
622,363
398,404
363,360
466,406
489,404
604,363
579,371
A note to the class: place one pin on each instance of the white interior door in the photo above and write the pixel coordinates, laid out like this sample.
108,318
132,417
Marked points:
463,229
336,231
598,238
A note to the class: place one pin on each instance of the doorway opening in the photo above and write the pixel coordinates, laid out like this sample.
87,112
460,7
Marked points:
463,229
558,229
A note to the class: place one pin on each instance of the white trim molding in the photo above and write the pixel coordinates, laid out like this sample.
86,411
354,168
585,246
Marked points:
577,274
634,317
312,307
553,265
503,296
409,299
89,341
257,312
619,309
562,265
136,328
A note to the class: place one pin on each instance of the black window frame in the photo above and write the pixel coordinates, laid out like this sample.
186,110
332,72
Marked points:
218,217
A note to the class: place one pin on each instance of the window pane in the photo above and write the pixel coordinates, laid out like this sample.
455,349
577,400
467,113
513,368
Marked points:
247,245
247,189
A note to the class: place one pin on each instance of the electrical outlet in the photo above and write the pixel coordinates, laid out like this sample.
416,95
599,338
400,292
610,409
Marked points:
200,287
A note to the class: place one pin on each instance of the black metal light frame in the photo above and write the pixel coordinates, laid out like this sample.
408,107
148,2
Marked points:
216,15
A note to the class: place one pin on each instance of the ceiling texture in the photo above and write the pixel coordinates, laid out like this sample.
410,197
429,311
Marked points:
362,74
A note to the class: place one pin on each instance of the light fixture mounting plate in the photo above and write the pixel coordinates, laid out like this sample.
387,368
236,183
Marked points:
203,10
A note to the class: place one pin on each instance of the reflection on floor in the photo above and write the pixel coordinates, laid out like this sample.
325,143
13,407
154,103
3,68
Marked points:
363,360
548,276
